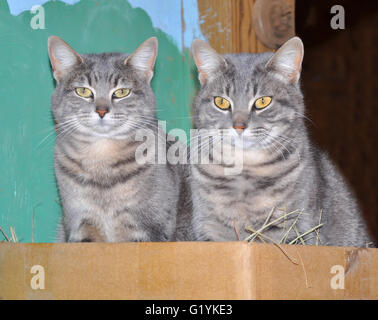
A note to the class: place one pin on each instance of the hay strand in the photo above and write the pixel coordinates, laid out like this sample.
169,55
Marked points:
291,235
275,243
266,226
236,230
306,233
13,233
284,237
12,237
4,234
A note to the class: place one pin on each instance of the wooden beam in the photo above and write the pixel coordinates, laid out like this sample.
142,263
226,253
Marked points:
228,25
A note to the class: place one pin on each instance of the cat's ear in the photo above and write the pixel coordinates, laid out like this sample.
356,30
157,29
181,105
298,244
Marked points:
62,57
287,61
144,57
207,60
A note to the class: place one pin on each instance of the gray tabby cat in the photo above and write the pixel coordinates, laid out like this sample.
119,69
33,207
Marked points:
99,102
258,97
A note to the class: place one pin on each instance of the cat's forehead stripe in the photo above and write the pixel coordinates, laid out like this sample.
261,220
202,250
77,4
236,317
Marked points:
116,80
255,88
88,78
248,87
228,89
251,85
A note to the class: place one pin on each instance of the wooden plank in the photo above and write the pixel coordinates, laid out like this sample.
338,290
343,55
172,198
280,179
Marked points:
243,36
186,270
216,17
228,25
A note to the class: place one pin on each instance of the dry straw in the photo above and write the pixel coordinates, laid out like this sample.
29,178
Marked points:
290,234
12,238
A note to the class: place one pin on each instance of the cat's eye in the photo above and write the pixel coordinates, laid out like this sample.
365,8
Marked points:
222,103
84,92
262,102
121,93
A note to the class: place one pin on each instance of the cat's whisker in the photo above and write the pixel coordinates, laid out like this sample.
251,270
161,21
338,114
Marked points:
202,139
45,139
203,146
68,130
54,130
275,139
139,125
305,117
276,148
287,141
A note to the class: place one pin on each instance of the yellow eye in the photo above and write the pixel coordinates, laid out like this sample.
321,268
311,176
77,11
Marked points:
222,103
84,92
121,93
263,102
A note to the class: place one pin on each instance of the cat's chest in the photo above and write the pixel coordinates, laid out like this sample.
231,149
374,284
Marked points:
100,156
243,196
100,165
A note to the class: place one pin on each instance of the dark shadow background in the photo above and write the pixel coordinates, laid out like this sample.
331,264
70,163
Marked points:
339,80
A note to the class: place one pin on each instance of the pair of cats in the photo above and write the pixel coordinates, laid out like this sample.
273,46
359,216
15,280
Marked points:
101,100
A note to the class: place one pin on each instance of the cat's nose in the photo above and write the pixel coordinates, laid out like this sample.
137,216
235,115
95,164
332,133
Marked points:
239,127
102,111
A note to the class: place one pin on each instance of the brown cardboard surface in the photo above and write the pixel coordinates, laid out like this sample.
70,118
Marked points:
186,270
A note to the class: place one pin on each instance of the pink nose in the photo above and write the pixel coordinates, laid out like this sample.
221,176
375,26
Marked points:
239,127
102,112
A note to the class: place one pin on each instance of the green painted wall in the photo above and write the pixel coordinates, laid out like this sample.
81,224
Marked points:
29,201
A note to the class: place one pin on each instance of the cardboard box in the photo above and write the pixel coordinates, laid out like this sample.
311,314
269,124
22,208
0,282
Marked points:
211,270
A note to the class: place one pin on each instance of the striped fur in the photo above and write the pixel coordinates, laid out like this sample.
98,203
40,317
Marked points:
106,195
281,168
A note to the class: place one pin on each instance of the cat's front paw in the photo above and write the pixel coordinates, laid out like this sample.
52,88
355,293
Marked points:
85,239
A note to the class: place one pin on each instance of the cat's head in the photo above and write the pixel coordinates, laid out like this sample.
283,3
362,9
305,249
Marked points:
102,95
256,96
